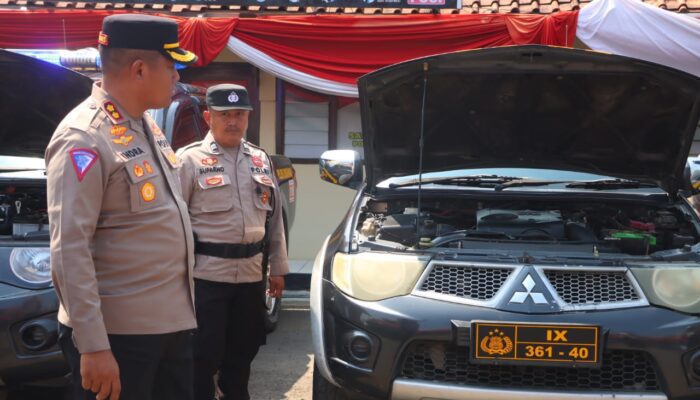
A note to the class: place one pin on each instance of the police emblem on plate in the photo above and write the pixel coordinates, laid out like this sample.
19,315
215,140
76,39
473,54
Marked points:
233,98
496,343
257,161
148,192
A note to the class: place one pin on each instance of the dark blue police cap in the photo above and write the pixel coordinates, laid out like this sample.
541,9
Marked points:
144,32
227,96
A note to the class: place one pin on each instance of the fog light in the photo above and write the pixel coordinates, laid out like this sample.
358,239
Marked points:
359,346
34,337
39,334
695,364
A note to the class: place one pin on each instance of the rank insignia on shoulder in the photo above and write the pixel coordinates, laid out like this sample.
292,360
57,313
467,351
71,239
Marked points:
172,158
117,130
123,140
147,165
153,126
138,171
83,160
210,161
265,197
148,192
112,110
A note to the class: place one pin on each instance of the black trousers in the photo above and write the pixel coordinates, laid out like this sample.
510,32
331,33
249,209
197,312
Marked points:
151,367
231,329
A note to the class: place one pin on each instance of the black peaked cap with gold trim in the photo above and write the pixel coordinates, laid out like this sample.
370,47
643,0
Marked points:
144,32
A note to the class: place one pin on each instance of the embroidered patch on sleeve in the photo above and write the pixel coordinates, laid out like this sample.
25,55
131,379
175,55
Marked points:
83,160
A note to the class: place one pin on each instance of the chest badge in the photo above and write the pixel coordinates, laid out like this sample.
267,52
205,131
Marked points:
257,161
123,140
215,181
148,192
117,130
138,171
210,161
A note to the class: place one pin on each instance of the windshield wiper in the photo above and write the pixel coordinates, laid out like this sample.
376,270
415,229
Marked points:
604,184
473,180
525,182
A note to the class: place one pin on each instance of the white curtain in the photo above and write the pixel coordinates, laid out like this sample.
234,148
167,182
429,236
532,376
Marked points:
636,29
275,68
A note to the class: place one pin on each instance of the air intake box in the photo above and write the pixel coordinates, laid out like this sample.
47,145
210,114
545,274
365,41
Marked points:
522,223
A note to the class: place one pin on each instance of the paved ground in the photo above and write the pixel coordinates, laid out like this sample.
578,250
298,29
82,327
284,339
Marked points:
282,370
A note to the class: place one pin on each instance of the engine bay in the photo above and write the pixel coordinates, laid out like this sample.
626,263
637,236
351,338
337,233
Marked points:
23,213
609,227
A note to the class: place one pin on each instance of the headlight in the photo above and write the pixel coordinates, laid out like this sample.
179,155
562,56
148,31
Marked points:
31,264
676,287
375,276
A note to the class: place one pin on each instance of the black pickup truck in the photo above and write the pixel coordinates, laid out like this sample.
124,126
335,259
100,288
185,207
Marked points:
35,96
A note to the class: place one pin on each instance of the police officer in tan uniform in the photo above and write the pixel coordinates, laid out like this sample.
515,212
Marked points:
235,206
122,250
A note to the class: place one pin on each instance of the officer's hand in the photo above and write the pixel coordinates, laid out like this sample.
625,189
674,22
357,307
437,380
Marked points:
100,374
276,286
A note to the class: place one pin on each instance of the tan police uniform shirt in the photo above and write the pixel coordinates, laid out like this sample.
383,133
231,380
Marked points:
122,251
229,193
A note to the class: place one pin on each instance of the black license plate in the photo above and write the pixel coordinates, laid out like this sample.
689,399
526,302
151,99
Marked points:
535,344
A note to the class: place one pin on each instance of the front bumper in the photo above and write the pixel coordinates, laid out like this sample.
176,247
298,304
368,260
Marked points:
407,389
28,335
665,338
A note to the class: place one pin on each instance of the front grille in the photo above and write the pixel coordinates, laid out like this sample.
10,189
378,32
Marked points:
621,370
592,287
466,281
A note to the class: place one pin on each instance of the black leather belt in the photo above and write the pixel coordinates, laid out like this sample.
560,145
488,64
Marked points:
229,250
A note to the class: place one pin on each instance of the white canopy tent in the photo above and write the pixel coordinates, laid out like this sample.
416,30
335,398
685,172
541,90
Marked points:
626,27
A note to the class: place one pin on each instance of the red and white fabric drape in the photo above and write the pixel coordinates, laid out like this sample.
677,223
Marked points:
327,53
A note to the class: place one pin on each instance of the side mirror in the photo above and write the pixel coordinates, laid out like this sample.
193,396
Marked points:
341,167
691,176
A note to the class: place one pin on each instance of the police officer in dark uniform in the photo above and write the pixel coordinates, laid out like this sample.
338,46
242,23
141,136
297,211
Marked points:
236,216
122,250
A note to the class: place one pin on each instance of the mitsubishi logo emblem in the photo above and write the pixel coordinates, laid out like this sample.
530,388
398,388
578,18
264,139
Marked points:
529,284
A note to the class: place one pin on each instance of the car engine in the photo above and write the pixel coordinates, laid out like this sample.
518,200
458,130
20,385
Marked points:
23,214
623,228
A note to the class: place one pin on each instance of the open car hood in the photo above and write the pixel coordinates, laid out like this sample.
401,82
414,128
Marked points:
531,106
34,98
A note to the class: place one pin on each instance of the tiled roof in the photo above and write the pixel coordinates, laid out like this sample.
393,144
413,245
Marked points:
468,7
